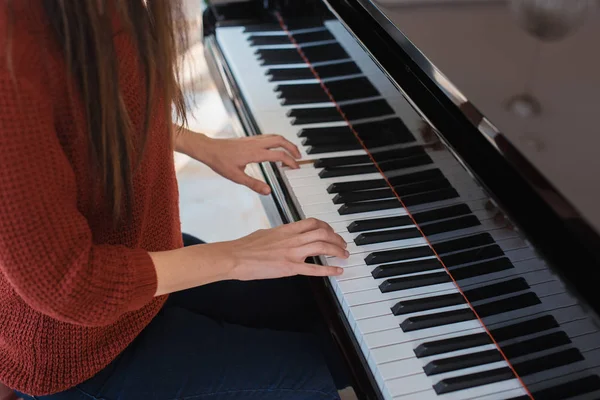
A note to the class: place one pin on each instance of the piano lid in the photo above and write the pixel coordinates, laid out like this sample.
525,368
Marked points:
530,68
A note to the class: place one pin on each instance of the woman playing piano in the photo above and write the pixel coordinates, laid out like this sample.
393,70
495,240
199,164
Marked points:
99,297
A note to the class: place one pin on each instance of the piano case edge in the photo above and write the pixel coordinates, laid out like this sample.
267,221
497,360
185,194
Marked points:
364,383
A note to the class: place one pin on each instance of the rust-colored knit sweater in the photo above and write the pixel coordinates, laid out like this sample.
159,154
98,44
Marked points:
74,292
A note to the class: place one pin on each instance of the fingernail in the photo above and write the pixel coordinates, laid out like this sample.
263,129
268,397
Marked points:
339,270
347,253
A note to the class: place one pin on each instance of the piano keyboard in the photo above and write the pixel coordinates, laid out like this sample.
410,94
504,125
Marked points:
420,337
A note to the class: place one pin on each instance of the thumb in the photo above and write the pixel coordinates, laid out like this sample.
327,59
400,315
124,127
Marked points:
255,184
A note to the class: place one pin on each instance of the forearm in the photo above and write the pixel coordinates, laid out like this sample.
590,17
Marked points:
191,266
186,141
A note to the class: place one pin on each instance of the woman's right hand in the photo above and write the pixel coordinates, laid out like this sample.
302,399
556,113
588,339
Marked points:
264,254
282,251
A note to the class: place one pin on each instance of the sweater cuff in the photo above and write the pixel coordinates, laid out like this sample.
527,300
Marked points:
145,279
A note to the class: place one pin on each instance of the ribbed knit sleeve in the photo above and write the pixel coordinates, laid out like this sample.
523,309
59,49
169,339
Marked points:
46,248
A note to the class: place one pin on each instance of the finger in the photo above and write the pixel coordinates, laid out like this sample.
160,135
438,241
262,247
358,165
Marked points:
254,184
316,270
280,141
321,249
321,235
285,158
306,225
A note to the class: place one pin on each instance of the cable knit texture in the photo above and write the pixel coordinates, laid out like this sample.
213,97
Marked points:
74,291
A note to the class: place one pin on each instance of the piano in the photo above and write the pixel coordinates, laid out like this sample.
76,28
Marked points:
453,144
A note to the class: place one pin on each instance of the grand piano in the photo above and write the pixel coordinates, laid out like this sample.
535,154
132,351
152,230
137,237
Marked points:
453,144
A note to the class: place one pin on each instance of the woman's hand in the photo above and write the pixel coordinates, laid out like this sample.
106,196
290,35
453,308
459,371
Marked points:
229,157
282,251
264,254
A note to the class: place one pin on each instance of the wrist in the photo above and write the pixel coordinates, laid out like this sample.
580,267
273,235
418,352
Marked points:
193,144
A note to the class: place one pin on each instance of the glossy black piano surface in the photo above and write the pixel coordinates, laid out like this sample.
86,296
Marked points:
473,265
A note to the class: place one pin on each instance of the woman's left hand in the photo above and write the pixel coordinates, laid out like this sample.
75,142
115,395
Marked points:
229,157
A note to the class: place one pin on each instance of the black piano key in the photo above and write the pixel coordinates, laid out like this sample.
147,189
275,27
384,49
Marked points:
376,205
307,37
437,319
330,140
549,361
301,94
404,163
410,282
379,183
261,40
341,90
482,268
429,197
315,36
442,213
341,161
469,242
508,332
462,362
302,116
509,304
386,236
427,303
363,195
279,56
483,310
318,53
342,187
379,223
337,70
481,293
566,390
264,27
390,222
478,254
382,257
524,328
325,71
388,155
365,109
331,172
325,52
289,74
326,137
546,342
541,343
391,128
453,344
291,25
405,268
496,289
415,177
473,380
334,132
427,186
330,148
450,225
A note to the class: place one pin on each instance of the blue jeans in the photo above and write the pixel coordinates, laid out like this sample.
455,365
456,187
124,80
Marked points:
228,340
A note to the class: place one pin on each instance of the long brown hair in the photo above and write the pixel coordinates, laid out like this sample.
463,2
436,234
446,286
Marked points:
84,32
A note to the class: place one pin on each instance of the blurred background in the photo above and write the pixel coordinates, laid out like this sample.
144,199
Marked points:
212,208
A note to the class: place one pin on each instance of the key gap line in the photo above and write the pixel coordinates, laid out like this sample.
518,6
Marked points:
307,61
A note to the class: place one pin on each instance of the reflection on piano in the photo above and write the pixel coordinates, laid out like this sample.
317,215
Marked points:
442,297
